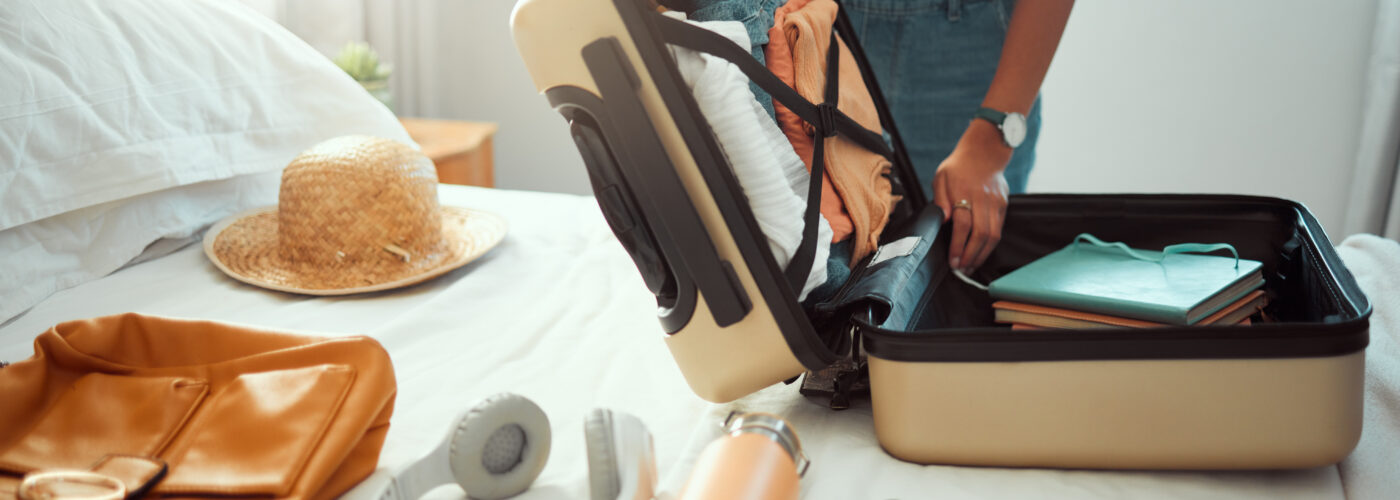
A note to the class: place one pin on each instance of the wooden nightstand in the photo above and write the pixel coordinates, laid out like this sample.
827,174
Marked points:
460,150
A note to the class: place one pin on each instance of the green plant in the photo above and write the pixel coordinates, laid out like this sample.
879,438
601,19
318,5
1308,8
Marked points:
361,62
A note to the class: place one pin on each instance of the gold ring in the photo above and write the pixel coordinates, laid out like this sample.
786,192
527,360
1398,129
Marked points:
962,204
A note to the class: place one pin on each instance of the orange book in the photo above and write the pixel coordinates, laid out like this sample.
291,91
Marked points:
1031,315
1022,326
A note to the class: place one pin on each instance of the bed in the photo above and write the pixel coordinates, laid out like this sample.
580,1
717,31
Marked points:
558,313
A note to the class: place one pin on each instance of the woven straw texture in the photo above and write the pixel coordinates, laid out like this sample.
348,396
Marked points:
354,214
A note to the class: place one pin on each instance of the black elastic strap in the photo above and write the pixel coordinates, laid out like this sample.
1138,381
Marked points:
903,166
826,126
826,118
684,34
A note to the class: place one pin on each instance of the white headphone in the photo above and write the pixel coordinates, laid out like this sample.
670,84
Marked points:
621,456
495,450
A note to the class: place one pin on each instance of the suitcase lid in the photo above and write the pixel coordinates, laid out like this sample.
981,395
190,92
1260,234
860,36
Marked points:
671,198
662,180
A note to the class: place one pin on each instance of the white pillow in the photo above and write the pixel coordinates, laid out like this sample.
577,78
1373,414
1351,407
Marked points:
48,255
109,109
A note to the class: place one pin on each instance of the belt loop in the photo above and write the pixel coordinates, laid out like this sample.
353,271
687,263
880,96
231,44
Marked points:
954,10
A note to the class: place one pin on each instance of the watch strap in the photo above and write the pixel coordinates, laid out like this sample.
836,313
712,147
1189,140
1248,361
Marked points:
991,115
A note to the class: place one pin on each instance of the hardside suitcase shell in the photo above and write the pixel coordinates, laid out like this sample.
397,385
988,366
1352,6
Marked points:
948,385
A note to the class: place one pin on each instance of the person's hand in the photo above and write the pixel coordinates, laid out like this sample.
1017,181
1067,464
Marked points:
971,190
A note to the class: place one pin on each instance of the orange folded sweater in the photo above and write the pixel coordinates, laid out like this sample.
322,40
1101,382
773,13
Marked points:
856,197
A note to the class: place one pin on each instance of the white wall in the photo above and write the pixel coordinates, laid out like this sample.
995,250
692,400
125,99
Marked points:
1258,97
452,59
480,76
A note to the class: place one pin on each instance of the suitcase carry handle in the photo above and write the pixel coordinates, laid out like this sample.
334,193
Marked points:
642,197
682,231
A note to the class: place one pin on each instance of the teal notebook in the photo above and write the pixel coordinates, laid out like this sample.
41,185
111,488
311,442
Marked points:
1110,278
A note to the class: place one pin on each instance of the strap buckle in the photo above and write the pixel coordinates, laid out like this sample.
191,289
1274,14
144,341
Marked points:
826,119
114,477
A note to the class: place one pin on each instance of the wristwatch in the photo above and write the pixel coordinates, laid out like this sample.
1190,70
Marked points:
1012,125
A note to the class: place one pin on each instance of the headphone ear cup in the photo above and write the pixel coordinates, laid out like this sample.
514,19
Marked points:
603,480
499,447
621,458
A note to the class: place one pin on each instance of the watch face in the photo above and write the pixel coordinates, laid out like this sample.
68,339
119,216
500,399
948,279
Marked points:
1013,129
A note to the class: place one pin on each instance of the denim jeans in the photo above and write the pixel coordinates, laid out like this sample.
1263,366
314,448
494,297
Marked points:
757,16
934,60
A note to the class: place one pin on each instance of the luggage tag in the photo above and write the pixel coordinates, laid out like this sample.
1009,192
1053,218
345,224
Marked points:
897,248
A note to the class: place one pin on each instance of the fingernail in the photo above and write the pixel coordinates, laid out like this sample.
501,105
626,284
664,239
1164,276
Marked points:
954,263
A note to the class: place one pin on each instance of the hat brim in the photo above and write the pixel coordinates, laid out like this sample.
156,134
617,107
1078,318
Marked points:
245,247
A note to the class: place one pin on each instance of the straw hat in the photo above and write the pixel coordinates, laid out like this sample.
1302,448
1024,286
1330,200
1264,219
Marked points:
355,214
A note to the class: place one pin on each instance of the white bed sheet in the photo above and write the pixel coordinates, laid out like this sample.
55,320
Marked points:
559,314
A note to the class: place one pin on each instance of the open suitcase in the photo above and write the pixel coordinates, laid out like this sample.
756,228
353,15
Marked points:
947,384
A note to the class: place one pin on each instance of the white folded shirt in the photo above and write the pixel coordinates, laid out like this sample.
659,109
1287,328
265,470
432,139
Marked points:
773,178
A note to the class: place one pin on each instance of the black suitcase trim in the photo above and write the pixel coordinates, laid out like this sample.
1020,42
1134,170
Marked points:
1210,342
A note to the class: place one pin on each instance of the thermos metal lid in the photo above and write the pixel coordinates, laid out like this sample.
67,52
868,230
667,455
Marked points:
773,427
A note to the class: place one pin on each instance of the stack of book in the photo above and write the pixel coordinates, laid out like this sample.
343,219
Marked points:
1087,286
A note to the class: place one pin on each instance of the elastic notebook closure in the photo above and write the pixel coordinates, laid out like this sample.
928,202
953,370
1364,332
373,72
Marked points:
1168,250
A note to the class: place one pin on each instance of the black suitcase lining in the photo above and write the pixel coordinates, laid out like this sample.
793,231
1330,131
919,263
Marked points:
1316,307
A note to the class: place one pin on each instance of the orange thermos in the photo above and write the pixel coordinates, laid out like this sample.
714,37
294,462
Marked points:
758,458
